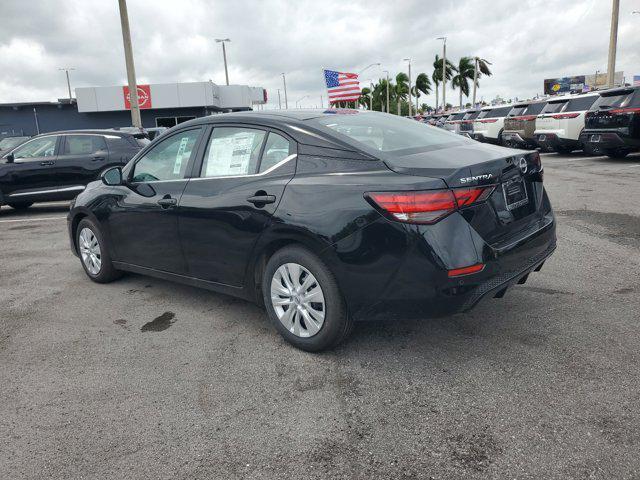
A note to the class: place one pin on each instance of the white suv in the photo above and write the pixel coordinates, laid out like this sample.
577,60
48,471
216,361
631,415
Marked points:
487,127
560,124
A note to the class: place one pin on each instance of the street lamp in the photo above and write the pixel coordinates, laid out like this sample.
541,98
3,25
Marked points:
409,60
613,43
444,71
387,72
284,82
298,101
66,70
224,56
369,66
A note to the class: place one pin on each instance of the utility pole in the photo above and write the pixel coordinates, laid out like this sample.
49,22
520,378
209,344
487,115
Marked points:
444,73
409,60
387,72
279,101
136,120
613,43
224,56
475,80
284,82
66,70
321,101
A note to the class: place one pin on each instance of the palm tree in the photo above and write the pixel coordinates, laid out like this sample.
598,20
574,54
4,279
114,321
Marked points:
380,94
423,85
402,88
466,71
436,76
481,67
365,98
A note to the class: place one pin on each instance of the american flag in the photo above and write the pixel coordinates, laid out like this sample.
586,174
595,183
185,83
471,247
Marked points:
636,80
342,87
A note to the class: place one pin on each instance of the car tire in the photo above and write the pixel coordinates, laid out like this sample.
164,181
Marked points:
96,262
617,153
292,275
20,206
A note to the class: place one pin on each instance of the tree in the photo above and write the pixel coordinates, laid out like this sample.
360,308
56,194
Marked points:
402,89
481,67
365,98
423,85
465,72
436,76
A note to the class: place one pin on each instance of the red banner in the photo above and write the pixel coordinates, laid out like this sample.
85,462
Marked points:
144,97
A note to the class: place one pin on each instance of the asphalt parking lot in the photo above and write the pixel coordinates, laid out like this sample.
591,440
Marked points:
144,378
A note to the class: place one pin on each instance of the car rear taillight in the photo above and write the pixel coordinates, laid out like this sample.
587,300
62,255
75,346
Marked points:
526,117
488,120
426,206
459,272
563,116
625,110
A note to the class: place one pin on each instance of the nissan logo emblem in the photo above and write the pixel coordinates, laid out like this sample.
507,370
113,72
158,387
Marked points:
522,165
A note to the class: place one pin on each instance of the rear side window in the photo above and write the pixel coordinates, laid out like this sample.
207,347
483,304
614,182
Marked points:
276,150
233,151
168,160
84,145
580,104
554,107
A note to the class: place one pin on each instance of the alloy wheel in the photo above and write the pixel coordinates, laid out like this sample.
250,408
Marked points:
90,251
298,300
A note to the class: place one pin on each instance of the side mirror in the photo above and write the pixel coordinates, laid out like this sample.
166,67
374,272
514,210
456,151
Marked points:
11,158
112,177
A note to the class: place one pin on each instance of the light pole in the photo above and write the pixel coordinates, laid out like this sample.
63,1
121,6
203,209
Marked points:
136,119
298,101
284,82
387,72
409,60
613,42
475,80
224,56
279,102
369,66
444,72
66,70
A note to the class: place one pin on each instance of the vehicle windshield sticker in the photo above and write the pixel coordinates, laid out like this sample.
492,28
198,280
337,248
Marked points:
181,153
230,155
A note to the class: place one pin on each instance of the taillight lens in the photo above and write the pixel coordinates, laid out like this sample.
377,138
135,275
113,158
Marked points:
564,116
488,120
625,110
426,206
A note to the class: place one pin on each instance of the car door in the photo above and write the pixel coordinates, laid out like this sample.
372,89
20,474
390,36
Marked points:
33,169
81,159
241,178
143,222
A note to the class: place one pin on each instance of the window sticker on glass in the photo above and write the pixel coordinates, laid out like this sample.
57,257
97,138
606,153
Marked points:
232,154
179,156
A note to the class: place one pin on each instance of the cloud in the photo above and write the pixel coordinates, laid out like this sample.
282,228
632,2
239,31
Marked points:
174,41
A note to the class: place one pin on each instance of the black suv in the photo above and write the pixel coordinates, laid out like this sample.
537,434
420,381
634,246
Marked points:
612,126
57,166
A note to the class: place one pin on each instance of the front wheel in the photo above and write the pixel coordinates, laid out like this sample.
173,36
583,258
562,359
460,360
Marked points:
94,256
20,206
303,300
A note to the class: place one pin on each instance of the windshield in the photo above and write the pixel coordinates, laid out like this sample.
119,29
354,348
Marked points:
386,133
11,142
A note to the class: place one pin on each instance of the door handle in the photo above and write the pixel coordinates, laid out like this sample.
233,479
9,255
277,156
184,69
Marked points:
47,162
96,159
167,202
261,200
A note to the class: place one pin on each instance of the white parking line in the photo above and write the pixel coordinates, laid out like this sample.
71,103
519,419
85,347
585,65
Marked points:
37,219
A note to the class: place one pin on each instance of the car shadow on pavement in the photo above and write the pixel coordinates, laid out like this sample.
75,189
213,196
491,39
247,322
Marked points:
7,212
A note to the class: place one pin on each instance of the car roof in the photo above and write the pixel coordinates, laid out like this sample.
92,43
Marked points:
96,131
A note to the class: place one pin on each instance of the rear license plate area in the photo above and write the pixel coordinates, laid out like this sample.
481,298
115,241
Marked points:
595,138
515,193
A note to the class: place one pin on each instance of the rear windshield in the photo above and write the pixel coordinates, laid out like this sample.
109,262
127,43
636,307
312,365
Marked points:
457,116
385,133
494,112
554,107
580,104
471,116
615,100
515,111
534,109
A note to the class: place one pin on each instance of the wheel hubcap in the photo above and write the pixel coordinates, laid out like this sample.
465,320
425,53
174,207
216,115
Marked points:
298,300
90,251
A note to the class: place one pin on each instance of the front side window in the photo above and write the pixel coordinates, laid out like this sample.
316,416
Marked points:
168,160
84,144
7,143
276,150
385,133
232,151
39,147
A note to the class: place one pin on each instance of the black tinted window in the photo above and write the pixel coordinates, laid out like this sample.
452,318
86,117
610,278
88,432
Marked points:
580,104
471,116
84,144
497,112
534,109
276,150
554,107
457,116
614,101
168,160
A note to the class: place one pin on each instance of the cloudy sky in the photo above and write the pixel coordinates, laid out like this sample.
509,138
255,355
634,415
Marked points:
173,40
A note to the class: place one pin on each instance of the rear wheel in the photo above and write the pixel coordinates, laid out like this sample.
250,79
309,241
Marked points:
303,300
94,254
20,206
617,153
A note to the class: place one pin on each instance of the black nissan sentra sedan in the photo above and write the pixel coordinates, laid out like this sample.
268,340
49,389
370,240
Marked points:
325,217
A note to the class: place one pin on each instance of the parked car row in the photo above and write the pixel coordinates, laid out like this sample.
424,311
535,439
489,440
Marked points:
605,122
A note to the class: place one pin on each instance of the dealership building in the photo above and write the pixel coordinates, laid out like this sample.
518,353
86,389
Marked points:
161,105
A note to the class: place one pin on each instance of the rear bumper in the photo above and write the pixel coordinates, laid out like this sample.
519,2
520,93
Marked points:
551,141
599,141
517,139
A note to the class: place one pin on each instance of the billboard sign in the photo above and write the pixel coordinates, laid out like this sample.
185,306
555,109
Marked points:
144,97
558,86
